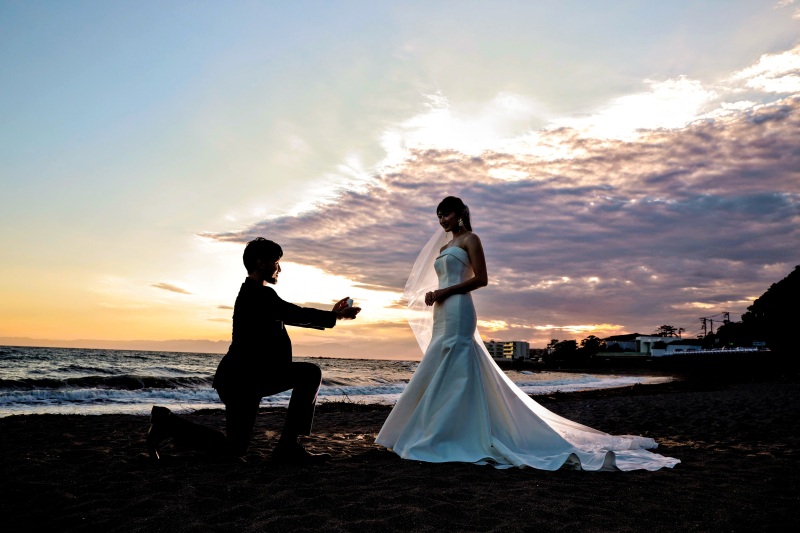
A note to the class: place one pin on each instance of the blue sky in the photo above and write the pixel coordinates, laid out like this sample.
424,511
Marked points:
142,143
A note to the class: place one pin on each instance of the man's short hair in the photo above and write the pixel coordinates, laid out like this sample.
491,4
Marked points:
260,248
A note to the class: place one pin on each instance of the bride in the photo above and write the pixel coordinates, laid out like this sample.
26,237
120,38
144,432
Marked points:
459,405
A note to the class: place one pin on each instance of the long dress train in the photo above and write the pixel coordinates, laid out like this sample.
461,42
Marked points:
459,406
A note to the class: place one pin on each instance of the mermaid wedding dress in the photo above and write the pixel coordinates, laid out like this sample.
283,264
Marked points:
459,406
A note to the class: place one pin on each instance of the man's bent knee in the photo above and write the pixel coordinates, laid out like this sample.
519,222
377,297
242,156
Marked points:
309,373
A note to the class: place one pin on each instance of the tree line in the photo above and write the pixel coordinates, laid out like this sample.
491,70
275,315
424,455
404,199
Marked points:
771,319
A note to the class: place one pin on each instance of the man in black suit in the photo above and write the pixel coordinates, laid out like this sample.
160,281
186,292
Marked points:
258,363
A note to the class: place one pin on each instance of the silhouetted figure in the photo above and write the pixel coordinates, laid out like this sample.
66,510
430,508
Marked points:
258,364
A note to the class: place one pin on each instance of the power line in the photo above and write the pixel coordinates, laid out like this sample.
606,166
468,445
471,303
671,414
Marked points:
707,322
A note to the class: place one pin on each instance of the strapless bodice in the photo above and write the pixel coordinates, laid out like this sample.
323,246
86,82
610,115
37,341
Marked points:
452,266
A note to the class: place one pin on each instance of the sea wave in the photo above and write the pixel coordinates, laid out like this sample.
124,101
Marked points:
119,382
71,380
105,401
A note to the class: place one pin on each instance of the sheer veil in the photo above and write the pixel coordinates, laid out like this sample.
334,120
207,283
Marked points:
423,279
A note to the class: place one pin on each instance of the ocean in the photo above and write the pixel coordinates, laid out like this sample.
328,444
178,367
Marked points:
93,382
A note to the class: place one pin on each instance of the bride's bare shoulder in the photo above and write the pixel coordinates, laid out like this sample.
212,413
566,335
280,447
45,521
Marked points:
472,238
464,241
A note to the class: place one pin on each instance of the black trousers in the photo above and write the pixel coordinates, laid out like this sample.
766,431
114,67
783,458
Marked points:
241,407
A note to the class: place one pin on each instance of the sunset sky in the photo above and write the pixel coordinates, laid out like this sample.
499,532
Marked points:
627,164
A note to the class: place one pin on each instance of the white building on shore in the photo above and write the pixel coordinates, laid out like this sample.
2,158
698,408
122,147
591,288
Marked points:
508,350
650,345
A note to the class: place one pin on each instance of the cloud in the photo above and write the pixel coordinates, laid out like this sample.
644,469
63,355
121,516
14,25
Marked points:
666,104
773,73
468,128
694,207
786,3
170,287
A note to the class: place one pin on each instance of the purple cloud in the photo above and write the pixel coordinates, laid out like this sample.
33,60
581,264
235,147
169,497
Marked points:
674,225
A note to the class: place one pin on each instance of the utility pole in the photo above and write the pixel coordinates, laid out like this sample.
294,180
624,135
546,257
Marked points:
708,326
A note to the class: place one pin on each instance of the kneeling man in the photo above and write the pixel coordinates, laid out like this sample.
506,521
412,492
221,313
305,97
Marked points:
258,363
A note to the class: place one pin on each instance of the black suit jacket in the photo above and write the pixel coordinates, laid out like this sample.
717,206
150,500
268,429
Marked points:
261,351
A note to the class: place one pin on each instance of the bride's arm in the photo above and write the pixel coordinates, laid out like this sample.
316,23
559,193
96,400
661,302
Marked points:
479,279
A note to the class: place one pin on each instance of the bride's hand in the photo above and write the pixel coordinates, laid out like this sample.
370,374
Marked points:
434,296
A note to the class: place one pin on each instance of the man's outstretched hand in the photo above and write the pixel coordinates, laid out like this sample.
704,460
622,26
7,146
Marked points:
344,311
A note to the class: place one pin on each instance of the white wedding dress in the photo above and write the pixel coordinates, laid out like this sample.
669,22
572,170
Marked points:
459,405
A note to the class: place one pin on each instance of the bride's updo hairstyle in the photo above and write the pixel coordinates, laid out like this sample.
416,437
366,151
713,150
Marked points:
451,204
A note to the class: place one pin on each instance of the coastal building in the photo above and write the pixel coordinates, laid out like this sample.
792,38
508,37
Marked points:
647,343
676,346
537,354
623,343
508,350
635,344
652,346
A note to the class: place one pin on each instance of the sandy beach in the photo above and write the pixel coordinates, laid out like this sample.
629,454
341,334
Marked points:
737,443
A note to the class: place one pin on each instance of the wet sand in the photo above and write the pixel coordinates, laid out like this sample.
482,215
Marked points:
738,445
